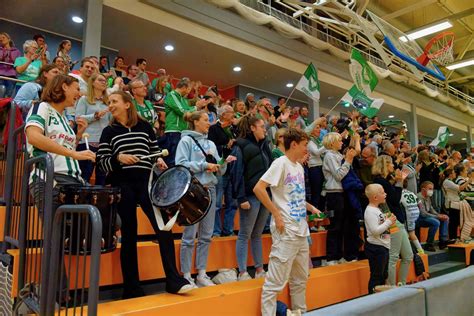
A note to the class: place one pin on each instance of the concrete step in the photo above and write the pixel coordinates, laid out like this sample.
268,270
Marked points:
445,268
438,256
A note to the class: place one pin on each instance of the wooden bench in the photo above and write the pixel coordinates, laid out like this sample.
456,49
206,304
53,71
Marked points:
461,252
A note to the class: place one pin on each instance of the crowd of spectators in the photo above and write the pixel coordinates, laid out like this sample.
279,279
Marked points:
424,186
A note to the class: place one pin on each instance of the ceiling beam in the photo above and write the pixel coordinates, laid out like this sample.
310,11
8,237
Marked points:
460,78
408,9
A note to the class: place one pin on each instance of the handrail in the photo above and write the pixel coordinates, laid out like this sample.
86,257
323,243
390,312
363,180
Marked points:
5,63
13,79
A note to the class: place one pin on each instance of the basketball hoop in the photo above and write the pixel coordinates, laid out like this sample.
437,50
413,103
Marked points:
439,49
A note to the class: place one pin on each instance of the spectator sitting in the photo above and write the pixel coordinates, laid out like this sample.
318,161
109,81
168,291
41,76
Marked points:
63,51
30,93
94,109
59,62
104,65
28,66
378,236
44,55
118,70
142,75
432,219
132,72
8,54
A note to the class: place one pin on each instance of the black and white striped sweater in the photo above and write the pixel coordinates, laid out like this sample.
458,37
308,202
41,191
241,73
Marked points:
140,140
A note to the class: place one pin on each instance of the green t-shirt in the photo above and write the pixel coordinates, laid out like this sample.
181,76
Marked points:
31,72
147,112
277,153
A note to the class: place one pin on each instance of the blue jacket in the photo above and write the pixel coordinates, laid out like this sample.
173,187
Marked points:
352,186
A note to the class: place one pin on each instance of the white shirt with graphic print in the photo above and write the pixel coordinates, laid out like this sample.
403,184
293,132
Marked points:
286,180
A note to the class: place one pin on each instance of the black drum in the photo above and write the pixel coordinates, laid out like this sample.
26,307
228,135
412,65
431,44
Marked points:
106,200
177,190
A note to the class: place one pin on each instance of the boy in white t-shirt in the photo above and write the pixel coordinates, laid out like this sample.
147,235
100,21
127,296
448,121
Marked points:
290,251
377,245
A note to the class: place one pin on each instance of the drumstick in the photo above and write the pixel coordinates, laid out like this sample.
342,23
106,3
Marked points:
86,137
163,153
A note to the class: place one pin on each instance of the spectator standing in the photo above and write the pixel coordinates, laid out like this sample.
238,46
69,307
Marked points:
85,72
45,57
378,236
94,109
59,62
118,70
316,177
28,66
8,54
192,152
335,168
302,120
132,72
253,160
144,107
382,171
158,94
63,51
142,75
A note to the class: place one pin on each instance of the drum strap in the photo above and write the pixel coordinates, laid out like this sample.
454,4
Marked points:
158,217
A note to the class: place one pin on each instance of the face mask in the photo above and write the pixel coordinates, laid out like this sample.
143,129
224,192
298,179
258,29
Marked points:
429,193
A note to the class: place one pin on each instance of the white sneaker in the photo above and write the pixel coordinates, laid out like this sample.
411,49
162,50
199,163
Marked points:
203,281
342,260
186,288
244,276
261,274
225,276
191,281
293,313
332,263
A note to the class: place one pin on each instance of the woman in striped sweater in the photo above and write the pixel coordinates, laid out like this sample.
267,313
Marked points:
121,145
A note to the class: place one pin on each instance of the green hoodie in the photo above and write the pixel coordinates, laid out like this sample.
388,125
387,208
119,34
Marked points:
175,107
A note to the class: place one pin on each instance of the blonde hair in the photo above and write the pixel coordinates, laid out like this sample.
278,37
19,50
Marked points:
372,189
380,167
330,139
90,90
279,132
192,117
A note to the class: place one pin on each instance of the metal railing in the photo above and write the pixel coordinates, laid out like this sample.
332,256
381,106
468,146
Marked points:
329,37
87,236
14,166
35,234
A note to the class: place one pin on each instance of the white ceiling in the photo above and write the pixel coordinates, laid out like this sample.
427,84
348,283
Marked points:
192,57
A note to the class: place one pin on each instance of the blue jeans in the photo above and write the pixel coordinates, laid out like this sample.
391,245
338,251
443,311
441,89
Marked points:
252,222
87,167
224,189
170,141
9,88
205,228
433,224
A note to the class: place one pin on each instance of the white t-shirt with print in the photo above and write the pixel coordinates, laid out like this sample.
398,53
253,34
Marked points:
286,180
56,128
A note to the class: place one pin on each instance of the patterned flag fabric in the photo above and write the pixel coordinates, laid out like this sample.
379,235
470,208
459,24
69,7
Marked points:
442,138
309,83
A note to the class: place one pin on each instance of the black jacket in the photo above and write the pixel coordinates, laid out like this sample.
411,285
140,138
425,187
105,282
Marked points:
394,194
253,160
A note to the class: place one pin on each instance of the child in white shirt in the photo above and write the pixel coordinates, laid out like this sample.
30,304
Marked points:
378,235
290,252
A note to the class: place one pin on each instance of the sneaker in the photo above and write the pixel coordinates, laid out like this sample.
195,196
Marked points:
225,276
186,288
203,281
332,263
342,261
429,247
442,244
293,313
244,276
191,281
261,274
382,288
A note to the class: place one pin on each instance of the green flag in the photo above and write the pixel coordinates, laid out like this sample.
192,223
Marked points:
365,81
442,138
309,83
391,122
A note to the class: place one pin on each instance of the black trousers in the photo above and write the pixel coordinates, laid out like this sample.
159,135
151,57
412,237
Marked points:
454,222
343,231
133,193
378,263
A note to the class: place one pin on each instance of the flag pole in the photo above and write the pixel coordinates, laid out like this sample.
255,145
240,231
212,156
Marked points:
334,106
291,93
